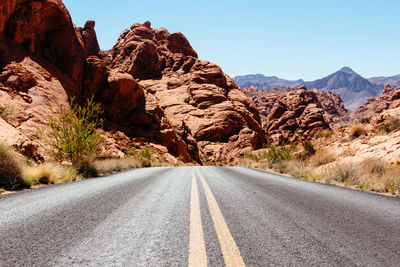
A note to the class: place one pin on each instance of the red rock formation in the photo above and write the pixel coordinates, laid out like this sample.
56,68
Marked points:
334,110
90,38
151,84
375,105
193,97
297,115
44,28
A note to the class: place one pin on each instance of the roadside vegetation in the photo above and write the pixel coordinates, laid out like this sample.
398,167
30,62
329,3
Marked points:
72,139
305,162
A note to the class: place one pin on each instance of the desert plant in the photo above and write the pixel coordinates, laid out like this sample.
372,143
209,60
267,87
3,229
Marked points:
49,173
11,164
6,111
278,154
144,156
321,157
72,132
365,120
323,134
87,169
357,130
389,125
374,166
344,172
308,148
391,180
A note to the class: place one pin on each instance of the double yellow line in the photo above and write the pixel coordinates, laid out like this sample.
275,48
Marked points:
197,248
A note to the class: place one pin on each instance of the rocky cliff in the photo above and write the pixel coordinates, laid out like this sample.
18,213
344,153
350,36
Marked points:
151,85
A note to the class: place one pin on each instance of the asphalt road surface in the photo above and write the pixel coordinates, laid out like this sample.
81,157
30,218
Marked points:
194,216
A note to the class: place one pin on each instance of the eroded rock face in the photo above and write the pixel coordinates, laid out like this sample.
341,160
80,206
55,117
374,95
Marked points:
151,85
335,112
375,105
297,115
44,28
194,97
90,38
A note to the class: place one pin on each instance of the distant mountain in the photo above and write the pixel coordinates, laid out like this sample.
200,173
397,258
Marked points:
352,87
265,82
394,81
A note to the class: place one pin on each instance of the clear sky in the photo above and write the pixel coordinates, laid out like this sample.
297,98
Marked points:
291,39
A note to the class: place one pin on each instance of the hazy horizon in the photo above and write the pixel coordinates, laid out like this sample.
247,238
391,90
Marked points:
289,39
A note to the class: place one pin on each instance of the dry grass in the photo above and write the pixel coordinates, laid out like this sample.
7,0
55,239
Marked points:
374,166
357,130
49,173
116,165
389,125
11,164
321,157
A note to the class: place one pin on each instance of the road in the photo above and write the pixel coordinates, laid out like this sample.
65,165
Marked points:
194,216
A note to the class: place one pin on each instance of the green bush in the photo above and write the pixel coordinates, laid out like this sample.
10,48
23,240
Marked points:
278,154
11,177
72,134
322,134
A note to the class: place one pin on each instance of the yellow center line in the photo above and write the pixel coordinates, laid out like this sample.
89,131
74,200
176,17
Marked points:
197,247
230,251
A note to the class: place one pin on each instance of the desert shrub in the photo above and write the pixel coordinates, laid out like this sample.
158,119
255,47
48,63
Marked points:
49,173
308,148
321,157
374,166
279,154
323,134
389,125
365,120
72,132
144,156
115,165
391,180
357,130
6,111
11,164
344,172
299,169
87,169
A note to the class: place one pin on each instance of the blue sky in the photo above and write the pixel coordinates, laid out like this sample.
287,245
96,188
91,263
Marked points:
291,39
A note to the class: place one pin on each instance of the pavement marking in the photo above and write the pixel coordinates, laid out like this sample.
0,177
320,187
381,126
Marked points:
197,246
230,251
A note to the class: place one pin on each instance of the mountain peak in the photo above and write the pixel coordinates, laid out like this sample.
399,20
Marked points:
347,69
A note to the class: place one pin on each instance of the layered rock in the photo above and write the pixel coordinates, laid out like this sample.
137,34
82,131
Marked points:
375,105
335,112
297,115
